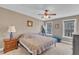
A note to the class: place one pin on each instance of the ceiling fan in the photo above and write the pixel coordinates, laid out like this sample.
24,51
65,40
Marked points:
46,14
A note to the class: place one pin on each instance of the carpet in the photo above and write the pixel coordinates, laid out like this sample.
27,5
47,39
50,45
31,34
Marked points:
60,49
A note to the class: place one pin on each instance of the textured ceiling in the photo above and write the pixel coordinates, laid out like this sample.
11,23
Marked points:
62,10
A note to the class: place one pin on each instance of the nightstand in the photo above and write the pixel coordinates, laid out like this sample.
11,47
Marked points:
10,45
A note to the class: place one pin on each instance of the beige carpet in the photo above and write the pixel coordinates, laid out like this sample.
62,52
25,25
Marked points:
60,49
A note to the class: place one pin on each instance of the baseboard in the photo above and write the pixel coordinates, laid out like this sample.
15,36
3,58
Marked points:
66,42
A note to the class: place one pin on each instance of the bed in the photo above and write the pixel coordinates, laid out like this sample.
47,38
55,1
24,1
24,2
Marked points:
36,44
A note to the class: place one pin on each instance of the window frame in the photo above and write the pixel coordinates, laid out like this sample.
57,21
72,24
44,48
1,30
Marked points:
51,28
75,28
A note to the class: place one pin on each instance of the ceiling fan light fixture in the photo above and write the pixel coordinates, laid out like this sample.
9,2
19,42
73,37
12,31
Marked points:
46,15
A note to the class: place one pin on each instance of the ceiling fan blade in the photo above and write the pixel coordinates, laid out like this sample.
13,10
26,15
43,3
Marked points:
51,14
40,14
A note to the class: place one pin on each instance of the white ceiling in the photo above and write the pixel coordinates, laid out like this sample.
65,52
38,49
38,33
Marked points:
61,10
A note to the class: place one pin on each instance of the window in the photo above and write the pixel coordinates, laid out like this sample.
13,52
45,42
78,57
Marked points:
49,28
69,27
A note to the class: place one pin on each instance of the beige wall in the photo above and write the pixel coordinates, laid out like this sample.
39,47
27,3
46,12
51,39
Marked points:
8,18
59,31
77,17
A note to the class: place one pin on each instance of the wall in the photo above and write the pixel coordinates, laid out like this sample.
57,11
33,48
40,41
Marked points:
77,17
8,18
59,31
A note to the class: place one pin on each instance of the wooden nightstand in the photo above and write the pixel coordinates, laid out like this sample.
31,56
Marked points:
10,44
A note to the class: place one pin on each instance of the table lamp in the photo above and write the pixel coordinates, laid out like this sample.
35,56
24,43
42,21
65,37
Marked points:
11,30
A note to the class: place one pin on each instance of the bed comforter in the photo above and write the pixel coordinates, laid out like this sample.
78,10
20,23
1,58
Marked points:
36,44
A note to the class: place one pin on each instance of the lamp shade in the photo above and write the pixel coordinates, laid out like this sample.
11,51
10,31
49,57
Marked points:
11,29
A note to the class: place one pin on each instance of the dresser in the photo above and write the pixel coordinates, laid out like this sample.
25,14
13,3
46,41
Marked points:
10,45
75,44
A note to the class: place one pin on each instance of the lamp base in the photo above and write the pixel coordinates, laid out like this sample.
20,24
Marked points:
11,35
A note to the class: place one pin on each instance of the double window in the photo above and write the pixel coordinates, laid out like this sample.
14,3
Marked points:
69,26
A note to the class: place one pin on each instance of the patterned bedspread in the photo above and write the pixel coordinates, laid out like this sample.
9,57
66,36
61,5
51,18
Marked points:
36,43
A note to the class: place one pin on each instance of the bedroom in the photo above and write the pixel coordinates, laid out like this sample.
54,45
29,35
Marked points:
18,16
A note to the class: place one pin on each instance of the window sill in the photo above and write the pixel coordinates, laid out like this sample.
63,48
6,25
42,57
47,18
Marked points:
49,35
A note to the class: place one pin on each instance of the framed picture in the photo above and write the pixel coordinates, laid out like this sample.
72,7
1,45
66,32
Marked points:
29,23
